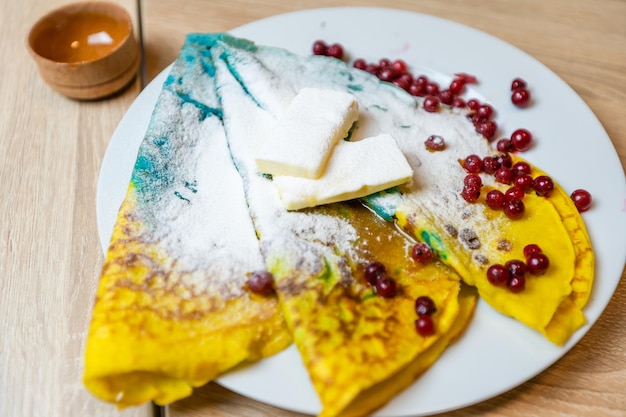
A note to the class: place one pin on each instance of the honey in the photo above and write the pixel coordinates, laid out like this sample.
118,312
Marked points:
84,36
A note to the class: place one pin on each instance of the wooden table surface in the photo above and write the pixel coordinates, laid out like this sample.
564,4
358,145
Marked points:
51,149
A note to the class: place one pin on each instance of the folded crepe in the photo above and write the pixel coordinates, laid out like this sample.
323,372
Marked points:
172,311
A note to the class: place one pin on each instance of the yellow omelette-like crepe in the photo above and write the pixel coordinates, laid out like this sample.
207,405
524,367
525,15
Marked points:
172,311
350,339
551,303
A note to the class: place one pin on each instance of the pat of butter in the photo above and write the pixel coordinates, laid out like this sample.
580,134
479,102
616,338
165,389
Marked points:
355,169
304,137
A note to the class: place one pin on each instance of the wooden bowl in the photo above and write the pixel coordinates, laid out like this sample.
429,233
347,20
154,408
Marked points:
85,50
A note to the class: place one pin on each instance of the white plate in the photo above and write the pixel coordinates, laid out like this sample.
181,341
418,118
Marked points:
496,354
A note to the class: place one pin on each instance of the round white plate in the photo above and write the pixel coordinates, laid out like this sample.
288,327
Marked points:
496,354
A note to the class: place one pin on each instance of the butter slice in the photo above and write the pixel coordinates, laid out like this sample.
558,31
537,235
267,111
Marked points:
304,137
355,169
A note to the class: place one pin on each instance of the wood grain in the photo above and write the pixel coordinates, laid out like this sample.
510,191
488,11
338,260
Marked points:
52,147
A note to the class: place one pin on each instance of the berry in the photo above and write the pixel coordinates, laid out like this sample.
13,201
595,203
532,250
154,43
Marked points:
514,192
518,83
520,97
473,104
399,65
497,274
521,140
261,282
504,160
457,85
432,89
416,89
373,271
387,74
521,167
335,50
431,104
537,263
473,164
458,102
466,78
531,249
543,185
487,128
514,209
495,199
435,143
470,193
421,252
386,286
359,63
446,97
425,326
516,283
473,179
425,306
524,181
515,267
490,165
319,47
582,200
504,145
484,111
504,175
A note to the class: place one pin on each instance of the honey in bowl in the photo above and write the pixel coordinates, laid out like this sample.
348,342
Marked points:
83,37
85,50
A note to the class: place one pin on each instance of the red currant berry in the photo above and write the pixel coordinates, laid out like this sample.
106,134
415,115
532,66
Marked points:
373,271
432,89
497,274
473,164
524,181
473,179
514,192
521,167
386,286
470,193
431,104
387,74
495,199
530,249
514,209
516,283
537,263
520,97
473,104
435,143
515,267
446,97
425,306
417,89
504,175
421,252
490,165
425,326
399,65
384,62
466,78
484,111
543,185
261,282
487,128
582,200
372,69
504,159
504,145
521,140
457,85
319,47
518,83
359,63
335,50
458,102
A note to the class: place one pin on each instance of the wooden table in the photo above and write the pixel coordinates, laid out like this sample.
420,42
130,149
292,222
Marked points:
52,147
